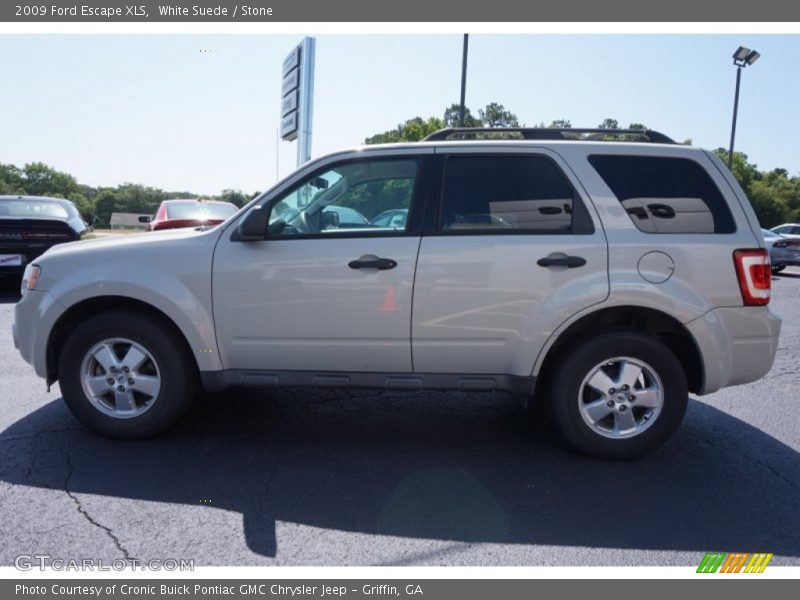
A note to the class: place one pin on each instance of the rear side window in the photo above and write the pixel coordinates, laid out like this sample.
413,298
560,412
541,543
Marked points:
509,194
665,195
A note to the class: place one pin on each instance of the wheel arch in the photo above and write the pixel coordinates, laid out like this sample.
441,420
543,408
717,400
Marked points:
83,309
660,325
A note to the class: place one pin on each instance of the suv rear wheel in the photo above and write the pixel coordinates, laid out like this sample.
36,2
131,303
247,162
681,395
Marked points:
124,375
618,395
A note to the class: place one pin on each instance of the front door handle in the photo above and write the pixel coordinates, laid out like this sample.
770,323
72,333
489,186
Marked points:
561,261
372,263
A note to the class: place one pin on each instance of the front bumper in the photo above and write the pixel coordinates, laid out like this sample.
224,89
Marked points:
737,344
34,317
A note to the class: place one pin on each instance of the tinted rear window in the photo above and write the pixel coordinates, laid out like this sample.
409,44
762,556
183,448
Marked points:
38,209
665,195
506,194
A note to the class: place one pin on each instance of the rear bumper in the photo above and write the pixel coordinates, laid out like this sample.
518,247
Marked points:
738,345
28,253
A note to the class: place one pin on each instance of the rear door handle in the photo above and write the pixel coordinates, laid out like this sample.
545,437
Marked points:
372,263
561,261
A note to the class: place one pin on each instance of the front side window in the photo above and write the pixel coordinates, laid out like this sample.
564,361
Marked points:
348,198
506,193
665,194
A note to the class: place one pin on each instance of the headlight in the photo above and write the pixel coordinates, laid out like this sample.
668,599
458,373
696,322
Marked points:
30,278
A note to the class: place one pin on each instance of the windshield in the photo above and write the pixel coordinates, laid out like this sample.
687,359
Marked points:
42,209
200,211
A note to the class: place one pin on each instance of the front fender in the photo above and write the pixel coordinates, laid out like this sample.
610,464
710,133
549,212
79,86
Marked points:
186,303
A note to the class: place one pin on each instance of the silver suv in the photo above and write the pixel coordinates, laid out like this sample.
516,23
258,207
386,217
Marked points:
600,277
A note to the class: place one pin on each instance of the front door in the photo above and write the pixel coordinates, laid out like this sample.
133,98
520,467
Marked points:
329,288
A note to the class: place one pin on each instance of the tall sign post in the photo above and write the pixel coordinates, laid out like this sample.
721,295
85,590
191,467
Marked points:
297,97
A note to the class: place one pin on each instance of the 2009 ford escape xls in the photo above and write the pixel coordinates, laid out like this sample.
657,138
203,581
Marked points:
603,279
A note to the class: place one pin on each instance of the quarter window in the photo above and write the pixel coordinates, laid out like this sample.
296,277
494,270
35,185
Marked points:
665,194
507,194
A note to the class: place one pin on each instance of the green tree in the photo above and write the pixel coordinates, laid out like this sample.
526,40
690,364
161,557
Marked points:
84,206
744,171
452,114
769,210
12,180
413,130
609,124
42,180
496,115
236,197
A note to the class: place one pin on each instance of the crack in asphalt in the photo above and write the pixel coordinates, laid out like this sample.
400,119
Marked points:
754,460
87,516
31,436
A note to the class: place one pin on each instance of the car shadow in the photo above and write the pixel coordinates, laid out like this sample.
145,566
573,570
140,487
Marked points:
9,290
441,466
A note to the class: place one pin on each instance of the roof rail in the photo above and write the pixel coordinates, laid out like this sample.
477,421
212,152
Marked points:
548,133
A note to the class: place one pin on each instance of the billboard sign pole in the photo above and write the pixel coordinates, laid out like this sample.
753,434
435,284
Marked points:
297,97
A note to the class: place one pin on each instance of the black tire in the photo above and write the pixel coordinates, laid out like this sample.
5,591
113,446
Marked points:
176,369
564,394
778,268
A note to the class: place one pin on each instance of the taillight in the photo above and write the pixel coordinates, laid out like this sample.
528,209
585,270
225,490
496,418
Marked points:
44,235
781,244
754,274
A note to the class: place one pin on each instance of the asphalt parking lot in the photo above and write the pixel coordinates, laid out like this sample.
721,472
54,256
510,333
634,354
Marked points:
361,477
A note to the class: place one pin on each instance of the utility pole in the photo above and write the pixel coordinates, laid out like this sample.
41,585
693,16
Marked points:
463,109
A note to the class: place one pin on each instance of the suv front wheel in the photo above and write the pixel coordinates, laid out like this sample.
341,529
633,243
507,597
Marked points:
618,395
125,375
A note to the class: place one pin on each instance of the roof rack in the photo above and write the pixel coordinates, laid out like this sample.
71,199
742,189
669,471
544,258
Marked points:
549,133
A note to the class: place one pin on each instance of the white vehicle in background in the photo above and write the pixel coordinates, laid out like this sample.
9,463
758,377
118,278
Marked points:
787,230
784,251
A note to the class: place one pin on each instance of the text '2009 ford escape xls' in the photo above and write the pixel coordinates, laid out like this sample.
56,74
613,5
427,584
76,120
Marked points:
604,279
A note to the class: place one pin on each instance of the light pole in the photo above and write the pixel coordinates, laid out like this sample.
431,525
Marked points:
742,58
462,109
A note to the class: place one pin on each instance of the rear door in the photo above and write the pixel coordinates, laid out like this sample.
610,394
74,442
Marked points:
515,250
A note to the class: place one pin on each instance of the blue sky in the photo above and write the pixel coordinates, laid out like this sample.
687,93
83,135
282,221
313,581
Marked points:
154,109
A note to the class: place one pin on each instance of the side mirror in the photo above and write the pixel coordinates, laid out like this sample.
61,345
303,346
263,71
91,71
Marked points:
330,219
145,219
253,226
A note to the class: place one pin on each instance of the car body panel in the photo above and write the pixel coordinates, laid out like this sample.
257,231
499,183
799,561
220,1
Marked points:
296,304
168,270
738,345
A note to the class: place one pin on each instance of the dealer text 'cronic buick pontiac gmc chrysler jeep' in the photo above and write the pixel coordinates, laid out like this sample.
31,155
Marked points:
604,275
